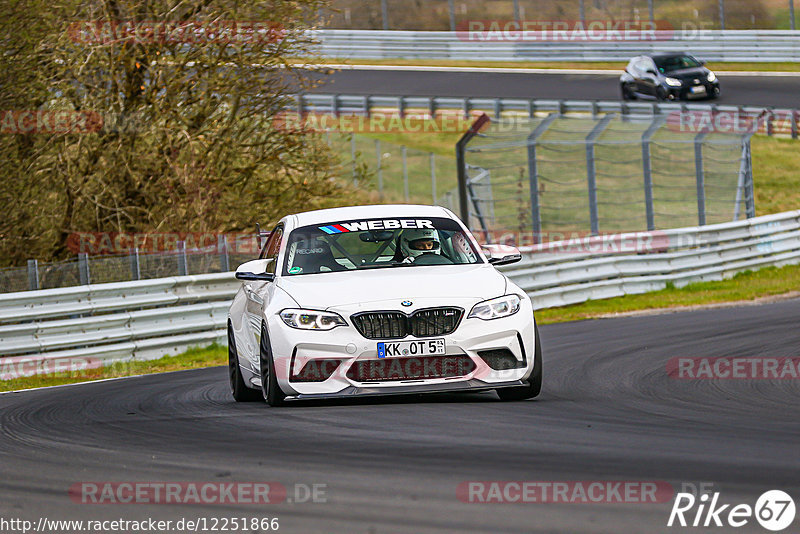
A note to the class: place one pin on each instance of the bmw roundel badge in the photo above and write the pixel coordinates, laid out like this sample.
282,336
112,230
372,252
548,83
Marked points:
406,303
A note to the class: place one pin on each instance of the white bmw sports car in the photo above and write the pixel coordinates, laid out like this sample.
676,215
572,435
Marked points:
378,300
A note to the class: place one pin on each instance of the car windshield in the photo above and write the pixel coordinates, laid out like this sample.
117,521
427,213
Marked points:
672,63
377,244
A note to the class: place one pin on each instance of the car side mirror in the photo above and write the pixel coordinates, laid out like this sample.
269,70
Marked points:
255,270
501,254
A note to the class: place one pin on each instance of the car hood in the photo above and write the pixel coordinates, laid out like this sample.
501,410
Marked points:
354,288
684,74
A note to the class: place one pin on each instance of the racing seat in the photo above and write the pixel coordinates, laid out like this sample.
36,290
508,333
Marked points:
315,256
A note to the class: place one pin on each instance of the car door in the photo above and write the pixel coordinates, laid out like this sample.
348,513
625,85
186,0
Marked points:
257,294
648,81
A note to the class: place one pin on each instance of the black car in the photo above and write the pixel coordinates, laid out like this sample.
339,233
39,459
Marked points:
668,76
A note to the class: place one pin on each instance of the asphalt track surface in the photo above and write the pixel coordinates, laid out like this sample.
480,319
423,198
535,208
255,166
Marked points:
766,90
608,411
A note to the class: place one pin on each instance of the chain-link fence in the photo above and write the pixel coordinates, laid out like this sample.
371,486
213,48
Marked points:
444,15
85,269
393,172
558,174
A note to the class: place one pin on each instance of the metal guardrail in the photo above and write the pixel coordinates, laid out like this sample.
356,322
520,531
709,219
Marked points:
772,121
150,318
711,45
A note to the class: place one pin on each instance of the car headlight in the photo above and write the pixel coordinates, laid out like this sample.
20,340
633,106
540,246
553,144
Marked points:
674,82
496,308
311,319
711,76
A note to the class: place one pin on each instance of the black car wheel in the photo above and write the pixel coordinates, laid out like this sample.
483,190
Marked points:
269,382
534,386
240,391
627,94
661,94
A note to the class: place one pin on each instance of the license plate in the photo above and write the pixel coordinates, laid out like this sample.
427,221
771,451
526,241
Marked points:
401,349
698,89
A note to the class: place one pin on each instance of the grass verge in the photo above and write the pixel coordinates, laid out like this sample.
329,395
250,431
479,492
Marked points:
745,286
191,359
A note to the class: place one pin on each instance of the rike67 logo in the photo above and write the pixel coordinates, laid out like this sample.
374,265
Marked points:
774,510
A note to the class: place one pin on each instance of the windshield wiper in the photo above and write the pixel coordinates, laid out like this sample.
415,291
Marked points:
384,264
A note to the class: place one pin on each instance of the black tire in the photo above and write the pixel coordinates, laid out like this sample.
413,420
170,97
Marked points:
239,390
534,386
661,94
627,95
270,390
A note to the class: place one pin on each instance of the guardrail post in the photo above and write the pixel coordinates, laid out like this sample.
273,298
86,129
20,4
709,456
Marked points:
83,268
531,108
300,107
432,107
379,158
658,121
33,275
385,15
403,151
366,106
651,10
498,108
701,187
582,9
222,248
401,106
466,107
183,266
136,273
791,15
452,9
721,14
516,10
335,105
533,176
794,116
591,177
433,176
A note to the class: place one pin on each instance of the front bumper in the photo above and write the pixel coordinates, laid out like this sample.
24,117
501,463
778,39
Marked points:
692,91
293,349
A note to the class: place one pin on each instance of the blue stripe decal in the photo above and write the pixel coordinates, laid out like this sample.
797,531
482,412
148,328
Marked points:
329,230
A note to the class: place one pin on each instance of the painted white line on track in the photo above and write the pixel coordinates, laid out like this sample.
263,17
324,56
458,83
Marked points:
521,70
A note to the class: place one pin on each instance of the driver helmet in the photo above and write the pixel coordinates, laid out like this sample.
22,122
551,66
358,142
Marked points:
415,242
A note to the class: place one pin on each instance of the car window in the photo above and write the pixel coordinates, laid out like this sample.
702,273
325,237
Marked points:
377,243
672,63
272,248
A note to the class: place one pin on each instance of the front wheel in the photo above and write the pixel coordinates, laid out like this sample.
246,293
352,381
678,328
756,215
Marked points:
534,386
240,392
269,382
627,94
